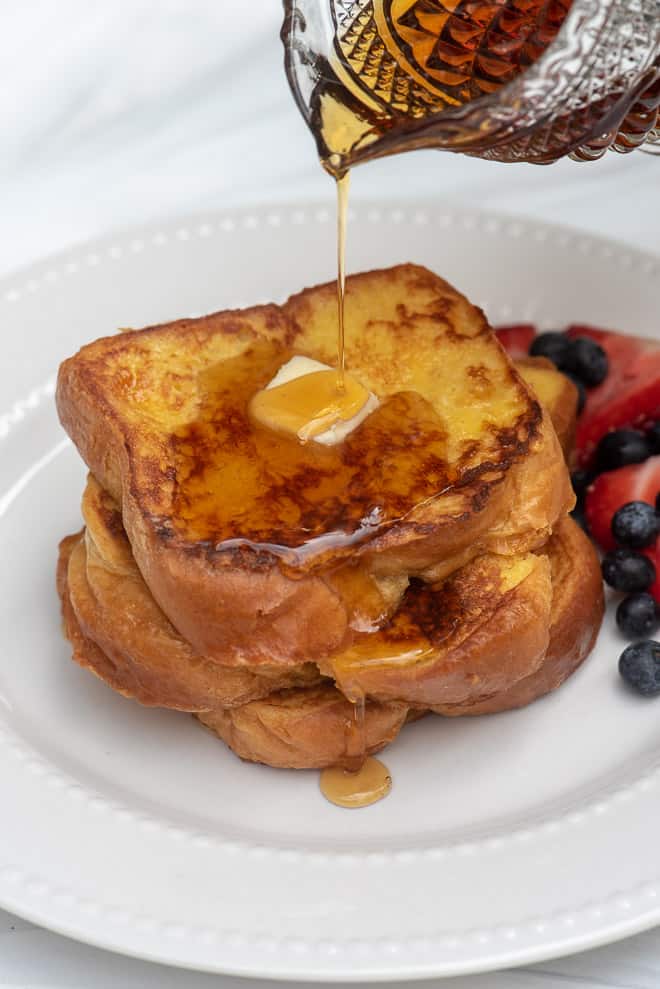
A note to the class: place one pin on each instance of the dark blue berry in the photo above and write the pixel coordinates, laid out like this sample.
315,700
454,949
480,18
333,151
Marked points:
581,390
581,479
639,665
625,570
578,516
635,524
587,360
622,447
653,436
553,345
657,502
637,616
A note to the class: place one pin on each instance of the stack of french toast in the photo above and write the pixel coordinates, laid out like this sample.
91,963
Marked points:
424,561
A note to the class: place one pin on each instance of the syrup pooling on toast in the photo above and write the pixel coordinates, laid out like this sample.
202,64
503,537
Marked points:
310,405
240,485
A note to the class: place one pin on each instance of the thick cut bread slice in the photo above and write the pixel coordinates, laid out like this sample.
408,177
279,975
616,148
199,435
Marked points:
139,653
305,729
459,634
160,417
482,630
310,726
577,612
474,637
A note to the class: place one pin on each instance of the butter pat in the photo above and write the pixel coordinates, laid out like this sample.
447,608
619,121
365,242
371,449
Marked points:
303,400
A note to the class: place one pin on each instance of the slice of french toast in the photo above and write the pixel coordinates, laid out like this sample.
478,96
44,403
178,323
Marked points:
235,528
492,651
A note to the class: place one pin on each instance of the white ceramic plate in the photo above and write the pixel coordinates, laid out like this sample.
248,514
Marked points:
505,840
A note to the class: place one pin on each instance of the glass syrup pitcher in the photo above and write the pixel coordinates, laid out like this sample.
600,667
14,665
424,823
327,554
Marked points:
510,80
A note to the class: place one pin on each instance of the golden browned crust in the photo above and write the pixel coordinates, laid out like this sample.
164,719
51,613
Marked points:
557,394
474,635
305,729
502,633
136,649
122,398
577,612
311,727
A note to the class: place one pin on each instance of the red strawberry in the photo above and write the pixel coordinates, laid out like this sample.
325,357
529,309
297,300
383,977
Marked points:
637,482
516,338
654,556
630,394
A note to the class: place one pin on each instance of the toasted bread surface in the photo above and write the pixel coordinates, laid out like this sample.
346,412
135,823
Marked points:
309,726
577,612
557,394
146,411
479,631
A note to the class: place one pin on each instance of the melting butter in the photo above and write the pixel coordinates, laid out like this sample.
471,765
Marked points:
305,400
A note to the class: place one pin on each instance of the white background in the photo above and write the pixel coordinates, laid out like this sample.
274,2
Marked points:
118,114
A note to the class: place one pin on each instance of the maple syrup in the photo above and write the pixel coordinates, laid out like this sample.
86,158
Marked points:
342,181
369,784
308,406
241,487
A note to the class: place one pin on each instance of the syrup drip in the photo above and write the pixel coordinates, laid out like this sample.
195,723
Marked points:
369,784
342,182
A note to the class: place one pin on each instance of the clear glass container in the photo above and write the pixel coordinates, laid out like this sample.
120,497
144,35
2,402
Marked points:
510,80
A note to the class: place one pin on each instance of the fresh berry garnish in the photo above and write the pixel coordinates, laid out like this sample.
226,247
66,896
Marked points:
653,554
581,390
653,436
630,394
637,615
578,516
635,525
622,447
581,479
626,570
638,482
516,338
555,346
639,665
587,360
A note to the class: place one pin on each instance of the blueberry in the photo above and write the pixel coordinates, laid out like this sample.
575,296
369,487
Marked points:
639,665
578,516
581,479
622,447
587,360
635,524
653,436
657,502
553,345
625,570
581,390
637,615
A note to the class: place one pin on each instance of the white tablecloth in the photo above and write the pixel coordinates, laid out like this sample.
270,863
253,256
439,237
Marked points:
118,114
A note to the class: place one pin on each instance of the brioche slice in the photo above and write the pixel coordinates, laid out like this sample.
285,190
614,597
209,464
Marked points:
577,611
160,417
310,726
480,631
139,653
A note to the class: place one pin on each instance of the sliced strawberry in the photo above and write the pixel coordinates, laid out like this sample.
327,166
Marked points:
637,482
516,338
630,394
654,556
